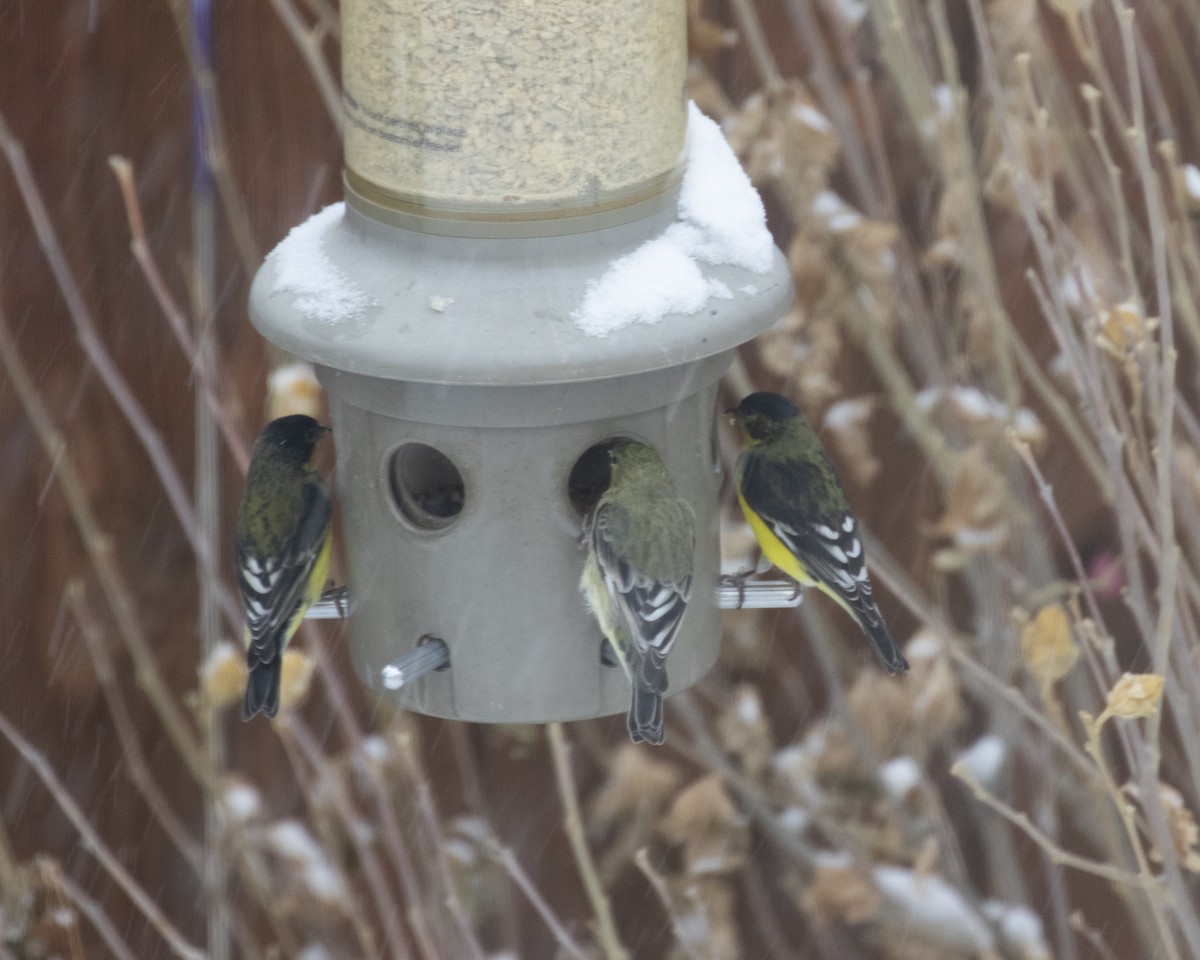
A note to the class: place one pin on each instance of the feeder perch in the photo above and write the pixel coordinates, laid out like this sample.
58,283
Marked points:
500,163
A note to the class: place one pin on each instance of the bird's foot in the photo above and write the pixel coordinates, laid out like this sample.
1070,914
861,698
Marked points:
738,580
338,596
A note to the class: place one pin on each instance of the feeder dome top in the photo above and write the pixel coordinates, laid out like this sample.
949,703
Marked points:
686,275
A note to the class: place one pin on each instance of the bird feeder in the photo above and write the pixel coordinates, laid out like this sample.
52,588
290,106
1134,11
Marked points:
525,267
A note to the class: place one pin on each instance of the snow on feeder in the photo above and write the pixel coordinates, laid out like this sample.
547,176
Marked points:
542,248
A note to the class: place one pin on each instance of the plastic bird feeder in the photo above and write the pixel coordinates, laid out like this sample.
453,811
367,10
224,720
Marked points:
499,163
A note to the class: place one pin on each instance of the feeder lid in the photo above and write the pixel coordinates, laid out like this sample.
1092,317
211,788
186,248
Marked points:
670,280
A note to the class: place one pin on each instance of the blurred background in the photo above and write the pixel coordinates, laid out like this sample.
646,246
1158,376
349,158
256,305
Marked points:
989,211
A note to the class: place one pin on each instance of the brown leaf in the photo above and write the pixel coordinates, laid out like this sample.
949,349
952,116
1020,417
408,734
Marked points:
1048,647
1013,26
800,771
1039,156
712,918
704,819
223,675
952,226
1121,329
984,416
848,425
706,37
915,713
637,781
840,893
704,807
296,672
1184,833
744,730
811,270
707,92
293,388
746,124
974,517
1135,695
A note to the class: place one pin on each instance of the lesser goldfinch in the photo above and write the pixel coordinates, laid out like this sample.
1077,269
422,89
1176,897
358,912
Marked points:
282,545
641,541
795,505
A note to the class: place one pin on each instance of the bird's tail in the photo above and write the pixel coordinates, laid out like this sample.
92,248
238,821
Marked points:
262,689
646,709
886,649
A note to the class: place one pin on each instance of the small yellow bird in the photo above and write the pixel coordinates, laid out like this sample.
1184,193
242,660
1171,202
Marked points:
282,547
641,540
795,505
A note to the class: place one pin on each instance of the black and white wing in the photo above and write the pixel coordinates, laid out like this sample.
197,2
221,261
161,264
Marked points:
273,588
651,607
823,537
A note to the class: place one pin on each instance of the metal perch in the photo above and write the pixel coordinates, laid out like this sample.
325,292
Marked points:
335,603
